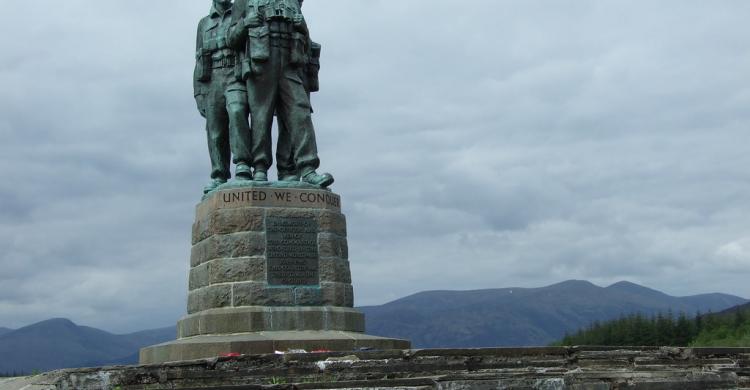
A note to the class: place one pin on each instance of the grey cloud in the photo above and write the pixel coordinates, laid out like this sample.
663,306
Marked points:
476,144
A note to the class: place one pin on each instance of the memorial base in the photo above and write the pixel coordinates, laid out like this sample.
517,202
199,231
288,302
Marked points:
269,271
202,347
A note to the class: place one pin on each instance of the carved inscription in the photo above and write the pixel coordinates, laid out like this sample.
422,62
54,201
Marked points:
283,197
292,251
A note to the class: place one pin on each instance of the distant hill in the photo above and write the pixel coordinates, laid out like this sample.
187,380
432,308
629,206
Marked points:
4,330
733,310
59,343
522,316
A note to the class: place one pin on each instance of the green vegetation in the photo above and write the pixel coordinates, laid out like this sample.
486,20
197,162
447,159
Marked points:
726,329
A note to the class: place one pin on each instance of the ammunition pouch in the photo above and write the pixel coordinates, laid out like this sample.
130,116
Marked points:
203,65
298,53
258,50
312,69
259,44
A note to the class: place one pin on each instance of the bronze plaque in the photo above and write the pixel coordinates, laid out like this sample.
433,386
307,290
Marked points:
292,251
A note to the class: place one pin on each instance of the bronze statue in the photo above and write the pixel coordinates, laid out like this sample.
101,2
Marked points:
221,96
274,44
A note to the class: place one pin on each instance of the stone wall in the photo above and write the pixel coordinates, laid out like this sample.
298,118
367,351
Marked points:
229,255
576,368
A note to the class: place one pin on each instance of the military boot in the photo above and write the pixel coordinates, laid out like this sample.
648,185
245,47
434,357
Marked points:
243,172
260,175
314,178
214,184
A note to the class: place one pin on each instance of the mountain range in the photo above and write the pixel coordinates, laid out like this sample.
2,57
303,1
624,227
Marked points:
59,343
449,319
523,316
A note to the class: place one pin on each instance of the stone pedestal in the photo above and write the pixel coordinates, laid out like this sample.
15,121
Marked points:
269,271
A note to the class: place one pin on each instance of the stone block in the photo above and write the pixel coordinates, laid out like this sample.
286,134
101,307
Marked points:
228,221
258,294
347,320
231,321
334,269
198,230
241,269
344,247
188,326
308,296
245,244
332,222
209,297
238,220
332,245
198,277
202,252
337,294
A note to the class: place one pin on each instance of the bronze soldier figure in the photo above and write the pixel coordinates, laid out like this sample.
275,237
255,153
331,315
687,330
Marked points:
221,96
284,156
276,46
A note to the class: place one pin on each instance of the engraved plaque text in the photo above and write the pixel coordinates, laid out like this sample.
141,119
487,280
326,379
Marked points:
292,251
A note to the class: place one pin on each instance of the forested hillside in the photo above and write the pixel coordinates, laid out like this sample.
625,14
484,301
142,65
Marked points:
730,328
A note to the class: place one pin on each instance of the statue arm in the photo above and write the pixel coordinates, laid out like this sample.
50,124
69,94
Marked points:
238,31
199,87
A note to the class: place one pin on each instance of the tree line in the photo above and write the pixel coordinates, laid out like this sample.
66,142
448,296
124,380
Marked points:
726,329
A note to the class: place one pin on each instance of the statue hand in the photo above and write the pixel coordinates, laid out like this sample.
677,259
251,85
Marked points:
200,100
253,20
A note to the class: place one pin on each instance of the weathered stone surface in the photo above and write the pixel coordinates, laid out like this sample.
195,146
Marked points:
245,244
308,296
259,294
468,369
239,269
260,319
199,277
334,269
332,222
341,319
338,294
209,298
332,245
228,221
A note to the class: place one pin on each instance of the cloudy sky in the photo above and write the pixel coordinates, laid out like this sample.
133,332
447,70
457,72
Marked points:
476,144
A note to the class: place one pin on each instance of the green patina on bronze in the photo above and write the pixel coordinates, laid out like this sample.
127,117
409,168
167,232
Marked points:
255,58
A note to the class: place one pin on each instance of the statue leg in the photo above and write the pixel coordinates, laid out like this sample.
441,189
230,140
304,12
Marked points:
284,156
239,129
296,113
217,129
262,89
